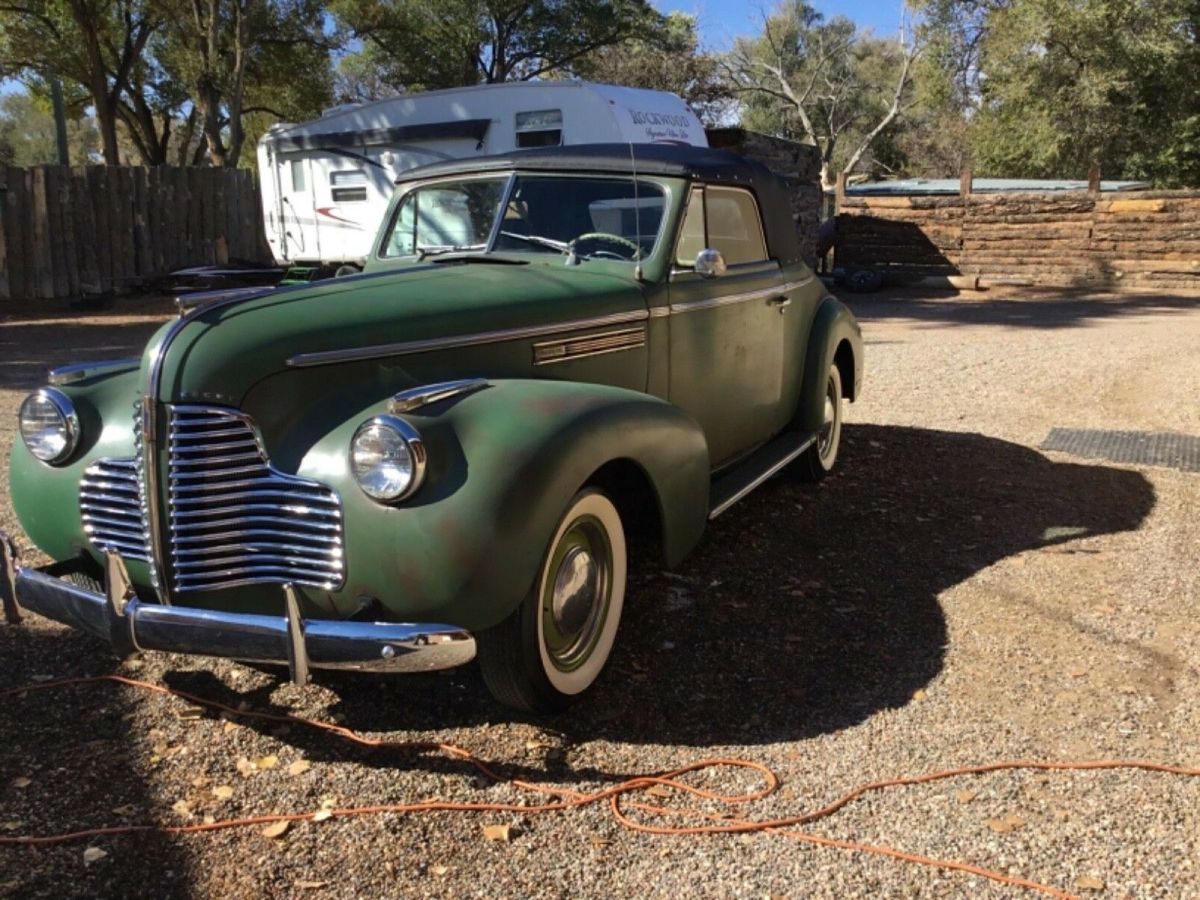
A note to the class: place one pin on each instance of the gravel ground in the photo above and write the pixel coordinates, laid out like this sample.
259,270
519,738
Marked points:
952,596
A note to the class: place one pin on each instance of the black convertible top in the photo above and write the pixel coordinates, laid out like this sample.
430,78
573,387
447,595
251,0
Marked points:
696,163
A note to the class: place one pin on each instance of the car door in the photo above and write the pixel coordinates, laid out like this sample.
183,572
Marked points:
727,336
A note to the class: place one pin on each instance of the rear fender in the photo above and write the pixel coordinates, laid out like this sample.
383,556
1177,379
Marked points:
833,326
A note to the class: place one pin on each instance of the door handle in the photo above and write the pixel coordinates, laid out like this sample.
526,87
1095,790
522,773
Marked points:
782,302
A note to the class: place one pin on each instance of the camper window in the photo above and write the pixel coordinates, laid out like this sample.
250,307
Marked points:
539,128
349,186
297,176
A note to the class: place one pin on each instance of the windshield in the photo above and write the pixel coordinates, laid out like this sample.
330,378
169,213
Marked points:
588,218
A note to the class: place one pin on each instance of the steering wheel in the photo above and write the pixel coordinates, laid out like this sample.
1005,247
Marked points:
622,242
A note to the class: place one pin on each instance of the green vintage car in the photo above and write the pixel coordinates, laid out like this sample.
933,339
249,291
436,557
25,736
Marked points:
550,354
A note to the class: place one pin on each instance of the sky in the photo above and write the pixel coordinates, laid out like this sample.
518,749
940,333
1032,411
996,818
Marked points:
723,20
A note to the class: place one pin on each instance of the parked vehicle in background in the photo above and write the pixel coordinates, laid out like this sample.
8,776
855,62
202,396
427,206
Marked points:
326,184
551,351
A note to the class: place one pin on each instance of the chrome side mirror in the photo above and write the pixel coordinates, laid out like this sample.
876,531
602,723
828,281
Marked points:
710,263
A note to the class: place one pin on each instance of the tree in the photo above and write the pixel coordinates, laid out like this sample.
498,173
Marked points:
93,43
239,57
1072,84
27,133
670,60
824,82
420,45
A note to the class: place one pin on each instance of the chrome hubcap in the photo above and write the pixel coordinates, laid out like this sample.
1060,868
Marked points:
575,590
825,437
576,593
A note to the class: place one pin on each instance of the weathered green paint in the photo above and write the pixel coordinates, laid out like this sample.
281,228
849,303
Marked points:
711,382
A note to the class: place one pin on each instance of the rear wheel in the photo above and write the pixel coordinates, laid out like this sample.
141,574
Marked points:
554,646
819,459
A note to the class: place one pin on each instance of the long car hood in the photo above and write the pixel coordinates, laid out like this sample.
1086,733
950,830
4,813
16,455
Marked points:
224,351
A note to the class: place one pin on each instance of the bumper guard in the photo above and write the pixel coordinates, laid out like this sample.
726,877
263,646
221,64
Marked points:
129,625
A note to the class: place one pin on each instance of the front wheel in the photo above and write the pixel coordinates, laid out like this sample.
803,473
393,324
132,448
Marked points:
554,646
819,459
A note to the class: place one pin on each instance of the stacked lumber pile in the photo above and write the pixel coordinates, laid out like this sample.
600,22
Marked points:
71,232
1078,239
799,165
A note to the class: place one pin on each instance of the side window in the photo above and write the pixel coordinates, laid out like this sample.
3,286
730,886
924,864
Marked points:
734,226
691,235
349,186
297,167
539,128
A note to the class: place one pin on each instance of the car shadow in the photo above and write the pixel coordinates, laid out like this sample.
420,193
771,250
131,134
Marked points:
805,610
1044,309
83,770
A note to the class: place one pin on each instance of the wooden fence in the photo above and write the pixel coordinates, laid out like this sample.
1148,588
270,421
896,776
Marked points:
1138,239
71,232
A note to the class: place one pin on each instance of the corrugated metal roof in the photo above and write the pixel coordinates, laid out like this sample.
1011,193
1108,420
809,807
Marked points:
984,186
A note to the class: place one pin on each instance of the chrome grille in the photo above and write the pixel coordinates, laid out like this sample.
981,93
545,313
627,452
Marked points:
234,519
111,510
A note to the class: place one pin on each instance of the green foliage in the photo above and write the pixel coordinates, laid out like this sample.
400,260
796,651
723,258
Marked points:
415,44
27,135
667,59
1050,88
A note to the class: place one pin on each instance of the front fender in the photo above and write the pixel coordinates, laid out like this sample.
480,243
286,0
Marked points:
833,326
503,464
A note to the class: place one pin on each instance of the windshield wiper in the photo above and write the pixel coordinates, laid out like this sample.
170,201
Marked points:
560,246
482,258
439,249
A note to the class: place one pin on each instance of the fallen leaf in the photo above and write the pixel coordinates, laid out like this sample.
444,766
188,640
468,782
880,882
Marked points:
183,808
276,829
299,767
328,803
222,792
1005,825
41,677
440,870
311,885
1089,883
964,796
93,854
208,820
322,814
21,782
498,832
266,762
659,790
200,781
229,726
919,694
10,826
533,744
191,712
125,810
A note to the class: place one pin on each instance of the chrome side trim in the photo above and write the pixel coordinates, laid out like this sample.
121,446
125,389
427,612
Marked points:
82,371
415,398
568,349
760,294
378,351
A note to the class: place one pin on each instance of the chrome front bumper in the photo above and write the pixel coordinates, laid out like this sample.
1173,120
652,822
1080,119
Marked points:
130,625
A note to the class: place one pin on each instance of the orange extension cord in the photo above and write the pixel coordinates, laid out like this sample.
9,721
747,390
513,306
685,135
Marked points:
565,799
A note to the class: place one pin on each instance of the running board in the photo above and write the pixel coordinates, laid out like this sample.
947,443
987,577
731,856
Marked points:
756,468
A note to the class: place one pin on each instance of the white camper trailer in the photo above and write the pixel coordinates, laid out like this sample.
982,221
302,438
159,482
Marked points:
326,184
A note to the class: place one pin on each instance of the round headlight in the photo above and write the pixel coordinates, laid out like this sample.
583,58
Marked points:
387,458
49,425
